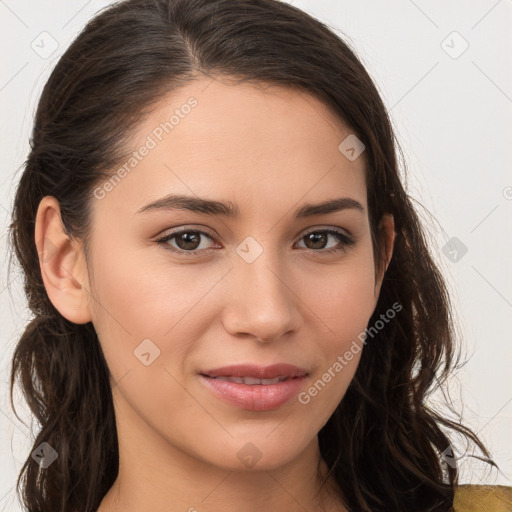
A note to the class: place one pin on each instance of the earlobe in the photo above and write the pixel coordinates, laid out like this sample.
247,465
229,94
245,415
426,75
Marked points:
387,241
62,264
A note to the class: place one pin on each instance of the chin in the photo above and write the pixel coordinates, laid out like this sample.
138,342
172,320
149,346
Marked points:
258,452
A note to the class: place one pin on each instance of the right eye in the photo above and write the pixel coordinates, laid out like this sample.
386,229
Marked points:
187,240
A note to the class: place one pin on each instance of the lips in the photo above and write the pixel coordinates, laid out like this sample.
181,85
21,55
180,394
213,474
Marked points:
281,370
255,388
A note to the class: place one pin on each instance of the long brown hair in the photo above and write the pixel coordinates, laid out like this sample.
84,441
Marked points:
383,445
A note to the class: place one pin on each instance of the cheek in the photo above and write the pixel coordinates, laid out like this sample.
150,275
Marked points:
343,299
136,298
137,295
343,310
343,303
124,305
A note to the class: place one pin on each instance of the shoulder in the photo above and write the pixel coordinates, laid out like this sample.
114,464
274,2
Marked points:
476,498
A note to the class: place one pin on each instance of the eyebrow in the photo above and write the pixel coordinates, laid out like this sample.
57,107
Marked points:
231,210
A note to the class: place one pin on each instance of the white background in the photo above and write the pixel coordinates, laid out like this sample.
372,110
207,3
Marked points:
453,117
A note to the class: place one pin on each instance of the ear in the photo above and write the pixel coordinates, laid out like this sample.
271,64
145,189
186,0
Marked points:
386,236
62,264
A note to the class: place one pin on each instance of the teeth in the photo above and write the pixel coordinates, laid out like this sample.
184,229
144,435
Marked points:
275,380
240,380
251,381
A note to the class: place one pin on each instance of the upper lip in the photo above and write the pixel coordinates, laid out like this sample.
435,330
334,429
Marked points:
257,372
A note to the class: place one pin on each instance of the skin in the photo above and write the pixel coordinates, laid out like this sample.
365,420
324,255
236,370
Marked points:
269,150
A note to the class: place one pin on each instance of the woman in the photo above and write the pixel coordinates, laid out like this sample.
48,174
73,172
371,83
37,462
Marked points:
235,306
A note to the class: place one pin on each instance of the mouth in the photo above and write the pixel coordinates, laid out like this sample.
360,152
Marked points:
262,373
250,381
255,388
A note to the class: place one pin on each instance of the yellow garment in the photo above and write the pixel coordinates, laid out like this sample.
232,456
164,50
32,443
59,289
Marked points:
483,498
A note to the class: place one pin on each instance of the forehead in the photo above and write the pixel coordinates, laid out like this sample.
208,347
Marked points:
218,138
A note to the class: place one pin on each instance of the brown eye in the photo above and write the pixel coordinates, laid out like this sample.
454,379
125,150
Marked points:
186,241
189,241
317,240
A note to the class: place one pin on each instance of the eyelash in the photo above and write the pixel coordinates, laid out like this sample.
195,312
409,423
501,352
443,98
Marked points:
346,241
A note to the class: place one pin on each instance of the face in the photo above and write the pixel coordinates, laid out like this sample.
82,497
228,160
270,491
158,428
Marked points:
182,293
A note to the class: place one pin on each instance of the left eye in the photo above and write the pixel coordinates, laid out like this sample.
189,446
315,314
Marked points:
321,236
189,241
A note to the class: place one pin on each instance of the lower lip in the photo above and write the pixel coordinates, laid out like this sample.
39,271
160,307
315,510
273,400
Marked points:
254,397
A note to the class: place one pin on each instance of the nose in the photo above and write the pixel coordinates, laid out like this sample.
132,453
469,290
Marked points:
261,302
